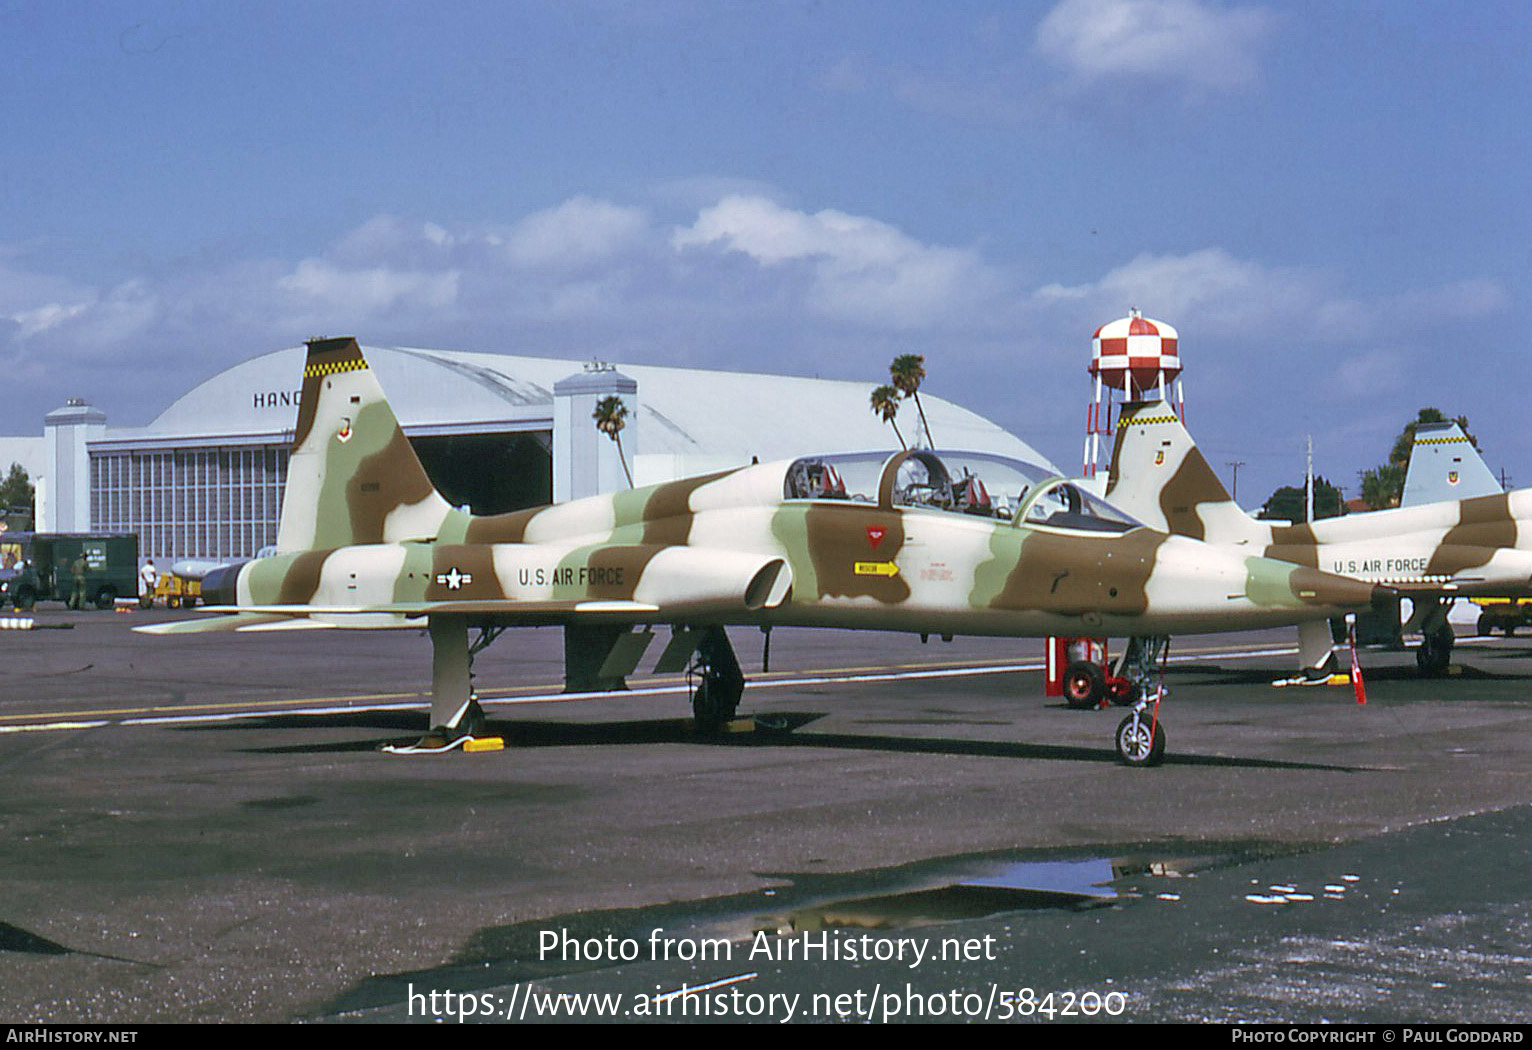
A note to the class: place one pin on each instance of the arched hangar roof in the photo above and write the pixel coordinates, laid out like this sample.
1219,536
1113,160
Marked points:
683,412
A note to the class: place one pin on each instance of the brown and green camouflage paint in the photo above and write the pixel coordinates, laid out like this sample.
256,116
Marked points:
833,538
659,514
1070,575
1294,543
289,579
1485,524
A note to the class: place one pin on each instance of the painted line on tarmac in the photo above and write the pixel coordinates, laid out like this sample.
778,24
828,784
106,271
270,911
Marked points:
320,706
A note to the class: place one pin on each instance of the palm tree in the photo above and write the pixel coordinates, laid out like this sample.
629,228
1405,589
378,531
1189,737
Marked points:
907,372
611,416
885,403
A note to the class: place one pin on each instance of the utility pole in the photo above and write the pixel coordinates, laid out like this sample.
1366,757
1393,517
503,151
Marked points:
1308,483
1234,464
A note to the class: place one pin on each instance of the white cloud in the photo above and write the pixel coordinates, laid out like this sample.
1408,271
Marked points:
94,321
577,232
1184,41
1367,374
49,315
364,291
1215,294
1210,287
859,268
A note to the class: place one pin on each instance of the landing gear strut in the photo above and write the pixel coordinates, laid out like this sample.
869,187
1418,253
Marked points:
1436,637
456,717
1140,737
721,684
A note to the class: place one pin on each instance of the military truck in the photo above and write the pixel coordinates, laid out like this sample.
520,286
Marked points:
1504,614
39,566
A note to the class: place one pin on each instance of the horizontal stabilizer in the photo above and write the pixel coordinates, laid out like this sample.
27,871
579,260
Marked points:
291,624
206,624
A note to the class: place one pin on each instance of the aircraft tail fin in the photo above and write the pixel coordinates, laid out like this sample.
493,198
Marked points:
1159,477
352,476
1444,465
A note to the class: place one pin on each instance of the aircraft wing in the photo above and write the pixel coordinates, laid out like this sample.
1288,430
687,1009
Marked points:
507,607
1464,588
505,611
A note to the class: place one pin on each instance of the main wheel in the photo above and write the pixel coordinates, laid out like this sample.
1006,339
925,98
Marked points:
1140,740
712,706
106,598
1435,651
1084,685
26,597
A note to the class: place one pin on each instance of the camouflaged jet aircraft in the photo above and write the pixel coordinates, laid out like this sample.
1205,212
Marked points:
1430,553
917,541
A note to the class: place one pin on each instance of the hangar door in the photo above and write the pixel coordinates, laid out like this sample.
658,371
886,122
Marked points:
490,473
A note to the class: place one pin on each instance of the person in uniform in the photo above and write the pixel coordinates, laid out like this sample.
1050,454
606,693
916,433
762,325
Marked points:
77,599
148,580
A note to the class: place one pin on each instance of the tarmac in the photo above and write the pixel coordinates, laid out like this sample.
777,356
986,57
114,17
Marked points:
202,828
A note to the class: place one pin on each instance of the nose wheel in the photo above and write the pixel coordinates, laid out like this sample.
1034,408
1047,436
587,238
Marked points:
1140,738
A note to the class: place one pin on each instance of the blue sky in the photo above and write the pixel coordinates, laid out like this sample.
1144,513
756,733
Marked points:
1328,200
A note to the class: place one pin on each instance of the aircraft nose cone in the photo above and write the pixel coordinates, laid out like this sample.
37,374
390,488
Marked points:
1313,587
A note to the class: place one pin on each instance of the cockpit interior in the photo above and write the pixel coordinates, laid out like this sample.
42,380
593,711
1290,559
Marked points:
973,483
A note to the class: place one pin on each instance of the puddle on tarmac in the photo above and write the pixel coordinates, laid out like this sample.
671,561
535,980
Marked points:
1024,886
923,894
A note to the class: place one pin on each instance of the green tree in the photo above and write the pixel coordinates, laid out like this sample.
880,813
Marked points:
907,372
1383,485
17,490
611,415
1288,502
885,403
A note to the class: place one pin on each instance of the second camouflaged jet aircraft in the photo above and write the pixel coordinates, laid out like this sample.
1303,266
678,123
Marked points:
1431,553
919,541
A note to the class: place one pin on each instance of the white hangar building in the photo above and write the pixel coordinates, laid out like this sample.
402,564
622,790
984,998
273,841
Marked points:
496,433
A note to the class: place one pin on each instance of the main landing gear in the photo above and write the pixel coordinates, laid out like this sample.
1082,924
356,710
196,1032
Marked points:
720,684
456,717
1434,654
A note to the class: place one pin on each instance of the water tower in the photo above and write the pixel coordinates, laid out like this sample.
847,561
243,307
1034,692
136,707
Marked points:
1137,357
